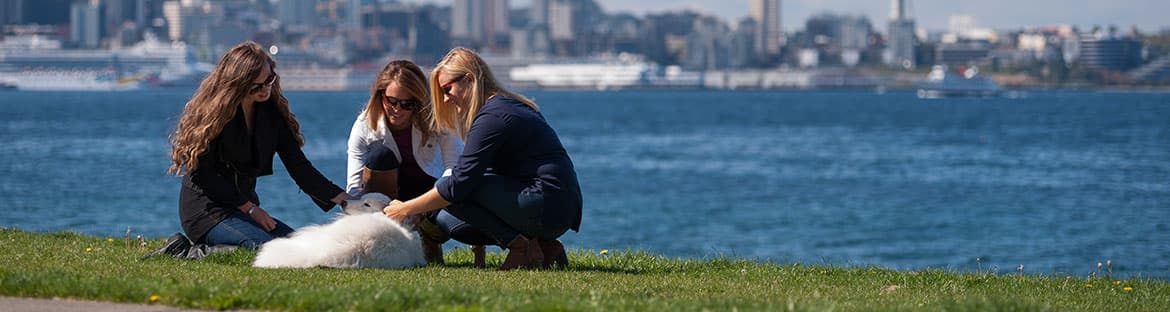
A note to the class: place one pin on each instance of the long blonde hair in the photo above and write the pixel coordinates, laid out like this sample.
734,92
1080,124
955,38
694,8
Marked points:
216,101
465,62
414,81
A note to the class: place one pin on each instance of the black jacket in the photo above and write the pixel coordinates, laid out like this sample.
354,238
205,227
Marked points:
226,177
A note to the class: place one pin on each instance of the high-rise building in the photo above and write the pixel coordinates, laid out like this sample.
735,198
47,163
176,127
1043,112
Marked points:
299,15
900,36
11,12
480,22
85,24
768,35
560,20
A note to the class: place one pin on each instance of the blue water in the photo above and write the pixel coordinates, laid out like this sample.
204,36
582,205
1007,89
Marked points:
1056,181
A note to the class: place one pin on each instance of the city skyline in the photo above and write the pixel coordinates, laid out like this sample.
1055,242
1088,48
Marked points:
1147,15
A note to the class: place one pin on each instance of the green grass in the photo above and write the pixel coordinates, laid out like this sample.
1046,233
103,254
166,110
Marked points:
107,269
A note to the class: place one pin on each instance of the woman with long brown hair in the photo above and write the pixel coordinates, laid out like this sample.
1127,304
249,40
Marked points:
226,138
514,181
395,149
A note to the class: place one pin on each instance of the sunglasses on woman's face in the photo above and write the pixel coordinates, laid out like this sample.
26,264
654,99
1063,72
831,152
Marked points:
267,83
447,86
400,104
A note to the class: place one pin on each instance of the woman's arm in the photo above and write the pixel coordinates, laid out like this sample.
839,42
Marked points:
484,140
427,202
323,192
356,156
450,146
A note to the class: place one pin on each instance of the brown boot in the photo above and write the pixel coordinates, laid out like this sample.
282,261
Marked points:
523,253
432,241
480,256
381,181
554,253
432,251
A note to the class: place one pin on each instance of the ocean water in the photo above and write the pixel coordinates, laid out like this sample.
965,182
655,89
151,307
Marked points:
1056,181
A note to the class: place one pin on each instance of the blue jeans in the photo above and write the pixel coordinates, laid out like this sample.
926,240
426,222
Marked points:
238,229
501,209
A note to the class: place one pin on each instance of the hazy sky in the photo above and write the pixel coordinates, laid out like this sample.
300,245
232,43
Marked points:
1148,15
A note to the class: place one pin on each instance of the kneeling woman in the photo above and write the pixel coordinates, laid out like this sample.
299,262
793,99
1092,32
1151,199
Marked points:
514,181
395,148
226,137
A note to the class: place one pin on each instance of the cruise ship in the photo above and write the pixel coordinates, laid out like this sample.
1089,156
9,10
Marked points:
39,64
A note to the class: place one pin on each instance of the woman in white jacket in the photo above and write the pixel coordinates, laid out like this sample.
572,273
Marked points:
395,149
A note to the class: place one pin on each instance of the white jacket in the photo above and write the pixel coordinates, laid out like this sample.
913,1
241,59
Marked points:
438,154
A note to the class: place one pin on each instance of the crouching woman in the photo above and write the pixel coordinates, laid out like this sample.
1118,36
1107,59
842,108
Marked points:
514,185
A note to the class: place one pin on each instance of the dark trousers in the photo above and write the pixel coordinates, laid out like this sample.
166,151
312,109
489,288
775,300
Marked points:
501,209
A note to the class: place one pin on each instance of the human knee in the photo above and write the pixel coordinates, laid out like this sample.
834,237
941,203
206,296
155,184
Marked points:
381,158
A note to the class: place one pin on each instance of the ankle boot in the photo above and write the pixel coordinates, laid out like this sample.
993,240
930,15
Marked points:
554,253
381,181
480,256
432,241
432,251
523,253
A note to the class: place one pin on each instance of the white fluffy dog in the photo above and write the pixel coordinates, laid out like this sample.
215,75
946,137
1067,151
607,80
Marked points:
361,238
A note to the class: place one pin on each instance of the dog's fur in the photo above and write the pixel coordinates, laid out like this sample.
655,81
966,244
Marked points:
361,238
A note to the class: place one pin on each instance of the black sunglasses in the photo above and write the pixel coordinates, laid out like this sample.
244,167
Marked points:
400,104
447,86
267,83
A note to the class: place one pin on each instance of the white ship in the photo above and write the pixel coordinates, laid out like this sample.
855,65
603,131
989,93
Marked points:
623,71
34,63
942,84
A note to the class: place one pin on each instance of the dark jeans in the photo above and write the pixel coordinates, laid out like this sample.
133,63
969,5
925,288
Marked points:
501,209
239,229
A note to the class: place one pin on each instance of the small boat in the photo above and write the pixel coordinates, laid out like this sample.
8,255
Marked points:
7,86
966,82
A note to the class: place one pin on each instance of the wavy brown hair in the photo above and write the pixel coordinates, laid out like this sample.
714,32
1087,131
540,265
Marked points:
414,81
216,101
459,62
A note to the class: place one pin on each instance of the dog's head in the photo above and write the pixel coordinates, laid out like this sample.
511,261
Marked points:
369,203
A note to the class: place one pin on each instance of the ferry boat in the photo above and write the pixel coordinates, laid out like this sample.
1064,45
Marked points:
34,63
966,82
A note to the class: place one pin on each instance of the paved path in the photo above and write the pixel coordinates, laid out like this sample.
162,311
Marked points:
56,304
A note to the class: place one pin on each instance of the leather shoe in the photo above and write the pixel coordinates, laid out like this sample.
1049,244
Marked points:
554,253
523,253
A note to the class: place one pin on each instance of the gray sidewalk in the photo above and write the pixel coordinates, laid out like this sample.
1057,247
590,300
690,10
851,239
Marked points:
59,304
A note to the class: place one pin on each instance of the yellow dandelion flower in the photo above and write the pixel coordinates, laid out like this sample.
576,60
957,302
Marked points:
108,239
87,249
604,252
1088,285
154,298
1127,289
1116,283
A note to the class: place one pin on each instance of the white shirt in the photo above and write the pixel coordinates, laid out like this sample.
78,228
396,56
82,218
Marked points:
438,154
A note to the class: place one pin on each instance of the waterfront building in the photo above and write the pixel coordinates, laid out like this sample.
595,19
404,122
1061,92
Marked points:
1110,53
768,34
900,36
85,25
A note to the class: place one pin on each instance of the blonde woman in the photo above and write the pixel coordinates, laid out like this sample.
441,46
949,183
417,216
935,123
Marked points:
226,137
395,149
514,183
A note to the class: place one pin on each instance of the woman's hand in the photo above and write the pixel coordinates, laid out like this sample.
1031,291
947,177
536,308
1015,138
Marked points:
396,210
341,198
261,216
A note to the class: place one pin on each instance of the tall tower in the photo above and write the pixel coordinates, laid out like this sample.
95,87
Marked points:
767,16
479,21
900,52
